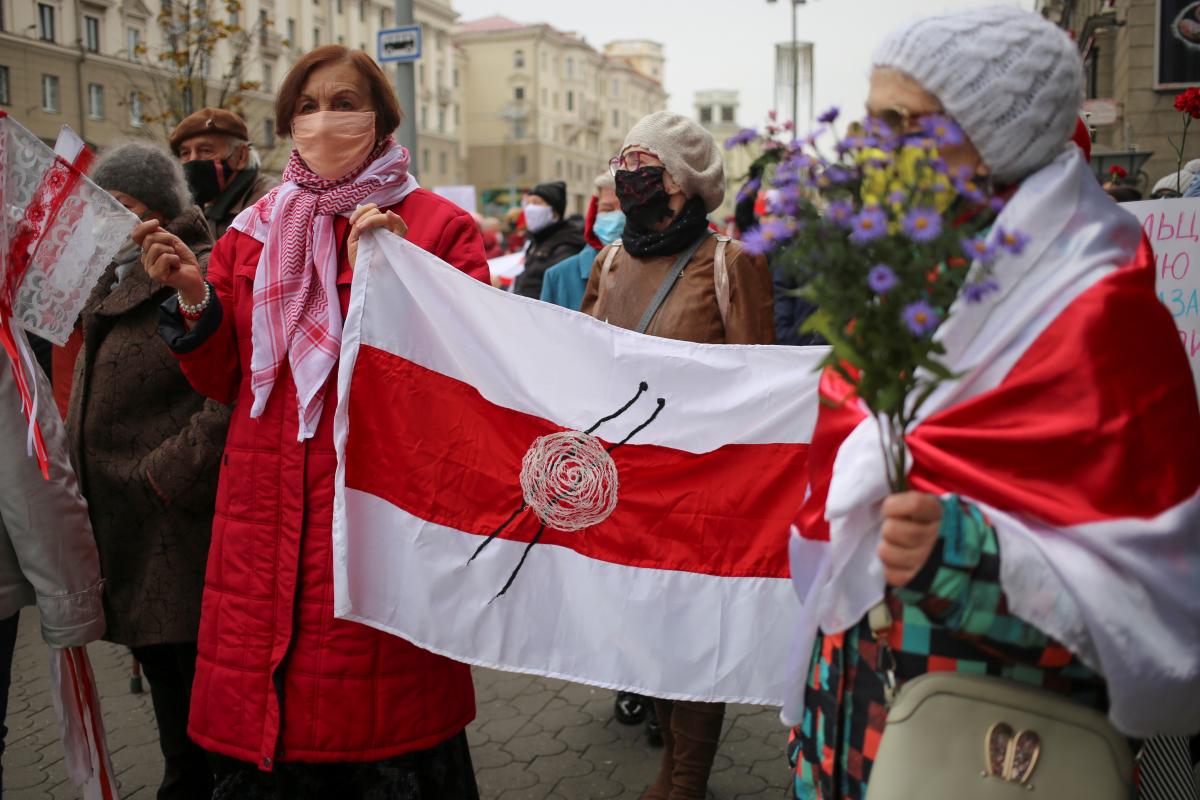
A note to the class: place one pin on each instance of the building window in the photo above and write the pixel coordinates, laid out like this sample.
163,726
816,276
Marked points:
50,93
316,37
442,163
558,168
519,129
705,115
570,67
383,17
362,10
46,22
425,159
291,32
269,132
726,113
133,42
424,118
519,93
4,97
235,17
339,6
456,115
135,110
421,75
522,165
268,79
341,39
456,77
518,59
616,119
441,120
91,34
570,101
95,101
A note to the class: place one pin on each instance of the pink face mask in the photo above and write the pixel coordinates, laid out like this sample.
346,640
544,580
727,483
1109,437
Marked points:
334,143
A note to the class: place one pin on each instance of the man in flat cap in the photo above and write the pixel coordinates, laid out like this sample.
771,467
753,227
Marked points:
221,168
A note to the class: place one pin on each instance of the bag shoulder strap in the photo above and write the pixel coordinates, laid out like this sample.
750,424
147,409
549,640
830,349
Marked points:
669,281
608,259
721,278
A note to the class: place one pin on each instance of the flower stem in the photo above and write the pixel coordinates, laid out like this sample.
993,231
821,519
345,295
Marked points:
1187,120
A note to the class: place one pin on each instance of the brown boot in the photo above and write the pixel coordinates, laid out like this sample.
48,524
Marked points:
696,728
661,788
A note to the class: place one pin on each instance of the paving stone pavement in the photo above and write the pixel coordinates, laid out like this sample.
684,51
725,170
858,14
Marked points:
534,738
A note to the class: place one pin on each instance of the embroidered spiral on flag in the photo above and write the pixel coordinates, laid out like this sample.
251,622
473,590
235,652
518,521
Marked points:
569,480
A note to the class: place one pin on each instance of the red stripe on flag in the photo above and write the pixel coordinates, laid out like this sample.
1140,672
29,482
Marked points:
435,447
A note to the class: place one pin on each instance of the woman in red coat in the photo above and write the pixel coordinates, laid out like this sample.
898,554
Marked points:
304,704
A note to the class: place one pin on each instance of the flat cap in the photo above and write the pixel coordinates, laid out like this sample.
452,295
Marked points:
208,120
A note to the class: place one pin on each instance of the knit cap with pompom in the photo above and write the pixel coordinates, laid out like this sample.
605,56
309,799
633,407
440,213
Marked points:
689,153
1010,78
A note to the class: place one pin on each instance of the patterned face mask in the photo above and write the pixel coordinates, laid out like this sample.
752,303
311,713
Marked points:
643,197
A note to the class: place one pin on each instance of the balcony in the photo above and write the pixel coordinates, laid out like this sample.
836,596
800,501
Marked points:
444,96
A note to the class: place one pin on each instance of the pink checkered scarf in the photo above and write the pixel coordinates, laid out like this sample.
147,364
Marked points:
297,313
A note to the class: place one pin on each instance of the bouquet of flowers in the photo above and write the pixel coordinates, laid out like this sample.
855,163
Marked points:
886,238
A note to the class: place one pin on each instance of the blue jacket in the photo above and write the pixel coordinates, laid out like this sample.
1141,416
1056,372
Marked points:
566,281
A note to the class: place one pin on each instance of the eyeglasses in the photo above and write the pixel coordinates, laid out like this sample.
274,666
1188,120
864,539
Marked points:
632,162
900,121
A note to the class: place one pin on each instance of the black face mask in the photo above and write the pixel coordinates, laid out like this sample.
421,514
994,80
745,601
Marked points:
207,179
643,197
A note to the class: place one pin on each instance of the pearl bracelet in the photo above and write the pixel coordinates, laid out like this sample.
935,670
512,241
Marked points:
194,312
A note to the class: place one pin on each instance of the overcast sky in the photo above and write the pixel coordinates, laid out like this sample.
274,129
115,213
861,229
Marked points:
729,44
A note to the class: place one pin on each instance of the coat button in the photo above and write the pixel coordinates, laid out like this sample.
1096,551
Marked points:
267,762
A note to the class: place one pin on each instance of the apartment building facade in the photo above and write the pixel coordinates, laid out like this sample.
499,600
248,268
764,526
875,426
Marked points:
542,105
94,65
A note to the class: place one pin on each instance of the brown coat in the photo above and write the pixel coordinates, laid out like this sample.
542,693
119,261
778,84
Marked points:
690,312
222,212
147,449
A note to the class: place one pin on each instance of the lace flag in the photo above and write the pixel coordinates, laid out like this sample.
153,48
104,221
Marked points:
57,234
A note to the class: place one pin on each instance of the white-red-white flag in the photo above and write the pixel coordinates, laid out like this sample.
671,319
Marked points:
679,590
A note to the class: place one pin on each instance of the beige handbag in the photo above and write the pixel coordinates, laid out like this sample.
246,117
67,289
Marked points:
956,736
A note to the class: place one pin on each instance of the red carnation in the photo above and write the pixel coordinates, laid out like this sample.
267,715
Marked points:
1117,172
1188,102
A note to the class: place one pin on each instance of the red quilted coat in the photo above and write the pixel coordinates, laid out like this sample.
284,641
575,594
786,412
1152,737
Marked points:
278,678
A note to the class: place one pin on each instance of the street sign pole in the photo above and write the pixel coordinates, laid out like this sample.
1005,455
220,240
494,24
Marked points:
406,90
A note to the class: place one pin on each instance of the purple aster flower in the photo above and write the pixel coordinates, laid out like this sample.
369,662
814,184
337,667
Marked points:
921,318
970,190
841,212
749,190
869,225
744,136
829,116
1012,241
838,175
881,279
975,292
767,236
938,165
898,197
979,248
783,201
923,224
942,130
997,204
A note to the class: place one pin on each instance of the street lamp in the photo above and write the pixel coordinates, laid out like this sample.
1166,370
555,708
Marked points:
795,62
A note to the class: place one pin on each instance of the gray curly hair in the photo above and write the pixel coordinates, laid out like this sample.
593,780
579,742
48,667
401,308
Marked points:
147,172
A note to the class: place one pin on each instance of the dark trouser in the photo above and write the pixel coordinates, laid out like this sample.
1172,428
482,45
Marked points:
170,668
443,772
8,643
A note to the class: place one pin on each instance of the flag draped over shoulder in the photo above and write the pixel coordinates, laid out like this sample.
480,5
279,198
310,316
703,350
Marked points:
678,590
1073,424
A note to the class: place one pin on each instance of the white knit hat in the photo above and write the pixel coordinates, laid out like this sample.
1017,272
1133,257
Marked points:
1010,78
687,150
1185,176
